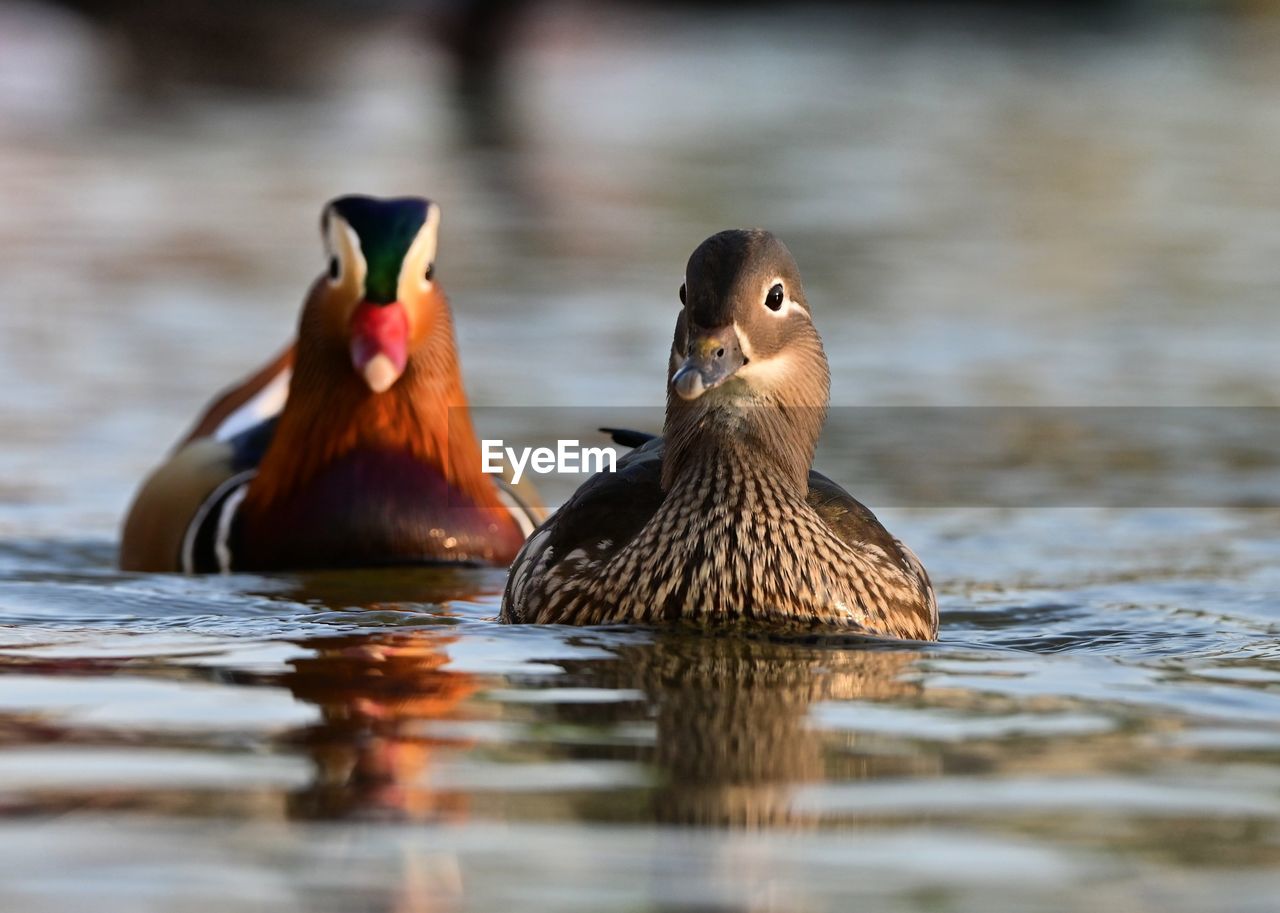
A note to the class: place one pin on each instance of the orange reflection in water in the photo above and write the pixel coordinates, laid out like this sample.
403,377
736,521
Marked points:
370,755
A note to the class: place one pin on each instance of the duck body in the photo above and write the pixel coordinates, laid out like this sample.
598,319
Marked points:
721,547
723,520
355,446
393,509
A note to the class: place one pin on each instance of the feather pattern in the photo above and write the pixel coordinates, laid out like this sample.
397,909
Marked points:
727,544
723,520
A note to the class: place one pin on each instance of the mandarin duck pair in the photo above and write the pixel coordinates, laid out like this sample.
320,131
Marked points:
354,447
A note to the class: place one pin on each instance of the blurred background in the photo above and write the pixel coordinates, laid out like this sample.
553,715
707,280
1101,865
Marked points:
992,204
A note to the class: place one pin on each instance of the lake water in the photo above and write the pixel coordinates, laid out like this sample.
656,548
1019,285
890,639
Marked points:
1067,217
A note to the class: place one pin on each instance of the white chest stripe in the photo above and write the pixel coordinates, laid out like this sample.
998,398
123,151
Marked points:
517,509
221,545
226,514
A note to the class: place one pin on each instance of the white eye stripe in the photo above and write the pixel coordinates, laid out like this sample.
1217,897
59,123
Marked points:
342,244
789,306
421,255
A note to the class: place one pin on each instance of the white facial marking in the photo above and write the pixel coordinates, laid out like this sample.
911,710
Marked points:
341,243
419,258
774,369
744,342
380,373
789,306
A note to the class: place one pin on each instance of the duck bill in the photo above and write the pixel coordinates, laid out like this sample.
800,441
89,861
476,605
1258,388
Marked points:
379,343
714,356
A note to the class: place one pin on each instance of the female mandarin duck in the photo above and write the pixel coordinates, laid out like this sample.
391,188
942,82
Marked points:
723,519
355,446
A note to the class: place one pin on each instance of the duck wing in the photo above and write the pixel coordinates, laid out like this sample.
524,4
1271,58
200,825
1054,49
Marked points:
211,462
855,525
258,397
627,437
598,520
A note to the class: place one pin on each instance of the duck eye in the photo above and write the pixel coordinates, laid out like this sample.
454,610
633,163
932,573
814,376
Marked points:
773,301
682,301
335,269
431,271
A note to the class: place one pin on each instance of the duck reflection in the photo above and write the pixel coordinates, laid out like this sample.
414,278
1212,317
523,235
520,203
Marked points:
373,691
411,588
732,741
378,691
733,726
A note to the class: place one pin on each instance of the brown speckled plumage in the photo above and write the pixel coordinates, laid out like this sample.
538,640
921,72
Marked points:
724,520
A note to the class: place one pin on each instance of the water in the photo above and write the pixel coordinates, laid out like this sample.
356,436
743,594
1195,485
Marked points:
983,217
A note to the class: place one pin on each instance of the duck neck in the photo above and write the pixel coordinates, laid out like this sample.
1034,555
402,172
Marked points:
771,443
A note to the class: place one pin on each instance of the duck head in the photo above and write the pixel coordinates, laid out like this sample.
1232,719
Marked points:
377,299
376,396
746,361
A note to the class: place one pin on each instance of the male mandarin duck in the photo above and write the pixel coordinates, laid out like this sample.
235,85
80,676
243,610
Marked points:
355,446
723,519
